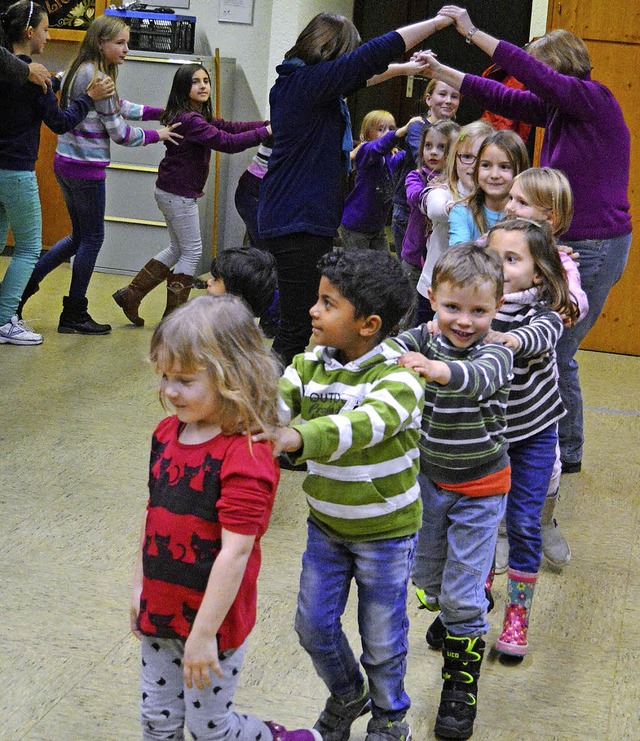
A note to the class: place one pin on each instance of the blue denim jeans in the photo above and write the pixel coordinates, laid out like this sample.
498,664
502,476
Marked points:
381,570
246,201
602,262
85,200
399,219
20,209
455,553
532,463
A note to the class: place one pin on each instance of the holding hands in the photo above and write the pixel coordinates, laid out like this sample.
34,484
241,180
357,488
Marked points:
458,16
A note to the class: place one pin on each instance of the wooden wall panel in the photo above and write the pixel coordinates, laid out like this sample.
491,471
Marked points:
610,20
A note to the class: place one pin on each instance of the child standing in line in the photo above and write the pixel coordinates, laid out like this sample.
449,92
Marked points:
436,203
464,467
502,156
432,157
24,28
376,160
360,418
80,165
246,272
211,491
182,175
442,102
529,323
544,194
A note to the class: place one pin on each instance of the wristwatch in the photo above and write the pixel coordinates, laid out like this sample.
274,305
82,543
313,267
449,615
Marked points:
470,33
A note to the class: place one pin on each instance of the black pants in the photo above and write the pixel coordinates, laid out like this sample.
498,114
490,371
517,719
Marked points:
296,257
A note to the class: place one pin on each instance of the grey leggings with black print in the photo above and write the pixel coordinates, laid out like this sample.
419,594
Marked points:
167,705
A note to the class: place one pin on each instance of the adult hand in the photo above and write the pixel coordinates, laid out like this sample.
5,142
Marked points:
167,134
40,75
100,89
459,16
427,64
441,21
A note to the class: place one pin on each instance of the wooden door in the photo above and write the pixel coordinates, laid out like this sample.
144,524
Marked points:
611,31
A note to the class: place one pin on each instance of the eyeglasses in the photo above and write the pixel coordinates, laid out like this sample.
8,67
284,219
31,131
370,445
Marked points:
467,158
30,14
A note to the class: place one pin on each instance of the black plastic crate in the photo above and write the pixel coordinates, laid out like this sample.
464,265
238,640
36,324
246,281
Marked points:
158,31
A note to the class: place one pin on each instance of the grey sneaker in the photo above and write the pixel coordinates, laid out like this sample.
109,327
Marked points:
383,729
554,545
335,720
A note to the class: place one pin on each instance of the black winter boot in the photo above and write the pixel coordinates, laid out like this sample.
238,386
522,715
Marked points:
458,700
75,318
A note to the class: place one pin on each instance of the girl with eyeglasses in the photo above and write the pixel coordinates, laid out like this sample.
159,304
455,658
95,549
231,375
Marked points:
23,109
455,183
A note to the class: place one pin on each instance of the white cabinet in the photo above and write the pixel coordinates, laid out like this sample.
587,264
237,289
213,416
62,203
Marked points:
134,228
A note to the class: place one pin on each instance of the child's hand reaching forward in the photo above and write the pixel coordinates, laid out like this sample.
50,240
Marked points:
503,338
284,439
431,370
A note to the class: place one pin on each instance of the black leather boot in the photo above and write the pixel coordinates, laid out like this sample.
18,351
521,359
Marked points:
75,318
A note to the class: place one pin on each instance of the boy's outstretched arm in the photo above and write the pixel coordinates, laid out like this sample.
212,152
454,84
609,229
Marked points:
430,370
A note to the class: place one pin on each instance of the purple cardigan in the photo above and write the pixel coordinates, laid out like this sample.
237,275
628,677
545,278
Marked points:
586,136
367,206
185,166
414,243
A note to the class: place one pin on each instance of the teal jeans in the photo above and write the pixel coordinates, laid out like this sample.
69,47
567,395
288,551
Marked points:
20,210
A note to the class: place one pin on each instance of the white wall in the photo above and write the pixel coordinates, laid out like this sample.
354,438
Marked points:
539,18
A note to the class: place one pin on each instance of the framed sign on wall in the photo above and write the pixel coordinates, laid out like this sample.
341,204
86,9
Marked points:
69,19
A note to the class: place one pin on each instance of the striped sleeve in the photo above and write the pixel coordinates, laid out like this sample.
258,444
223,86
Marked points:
392,403
540,335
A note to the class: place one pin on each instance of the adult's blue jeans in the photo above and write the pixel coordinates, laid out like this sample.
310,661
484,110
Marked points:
532,462
602,262
85,200
455,552
20,209
381,570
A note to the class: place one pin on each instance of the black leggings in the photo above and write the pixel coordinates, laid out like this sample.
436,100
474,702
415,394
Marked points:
296,257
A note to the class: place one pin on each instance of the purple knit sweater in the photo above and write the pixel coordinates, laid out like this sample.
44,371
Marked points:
586,136
185,166
367,206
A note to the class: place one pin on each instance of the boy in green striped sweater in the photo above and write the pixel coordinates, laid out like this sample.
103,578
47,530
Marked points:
359,425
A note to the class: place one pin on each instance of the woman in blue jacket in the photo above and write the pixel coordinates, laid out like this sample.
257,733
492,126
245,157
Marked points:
301,197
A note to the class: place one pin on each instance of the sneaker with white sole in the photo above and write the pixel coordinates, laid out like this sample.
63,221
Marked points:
16,332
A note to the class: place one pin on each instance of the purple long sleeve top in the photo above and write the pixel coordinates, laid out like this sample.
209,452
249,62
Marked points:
185,166
367,206
414,243
586,136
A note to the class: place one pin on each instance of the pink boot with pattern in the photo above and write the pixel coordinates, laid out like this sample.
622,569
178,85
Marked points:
513,639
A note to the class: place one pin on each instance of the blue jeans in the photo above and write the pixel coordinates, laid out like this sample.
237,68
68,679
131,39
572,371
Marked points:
455,553
532,462
85,201
602,262
399,219
246,201
381,571
20,209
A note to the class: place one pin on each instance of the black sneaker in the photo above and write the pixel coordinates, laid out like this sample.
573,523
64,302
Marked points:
334,723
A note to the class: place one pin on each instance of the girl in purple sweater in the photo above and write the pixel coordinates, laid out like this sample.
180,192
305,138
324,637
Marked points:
376,160
181,178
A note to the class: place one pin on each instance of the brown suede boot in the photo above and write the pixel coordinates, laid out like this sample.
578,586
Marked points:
129,297
179,287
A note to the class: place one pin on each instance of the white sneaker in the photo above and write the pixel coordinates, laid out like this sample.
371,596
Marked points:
16,332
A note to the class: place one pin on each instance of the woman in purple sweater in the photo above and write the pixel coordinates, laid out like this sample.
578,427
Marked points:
181,178
587,139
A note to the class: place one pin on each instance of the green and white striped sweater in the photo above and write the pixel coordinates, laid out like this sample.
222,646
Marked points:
360,428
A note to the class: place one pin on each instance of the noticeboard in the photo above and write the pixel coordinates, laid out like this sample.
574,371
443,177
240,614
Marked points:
69,19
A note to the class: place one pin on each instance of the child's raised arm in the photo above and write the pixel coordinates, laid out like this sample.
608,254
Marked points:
430,370
201,648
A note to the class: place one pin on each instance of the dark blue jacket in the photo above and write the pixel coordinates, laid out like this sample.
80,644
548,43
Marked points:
23,109
302,189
